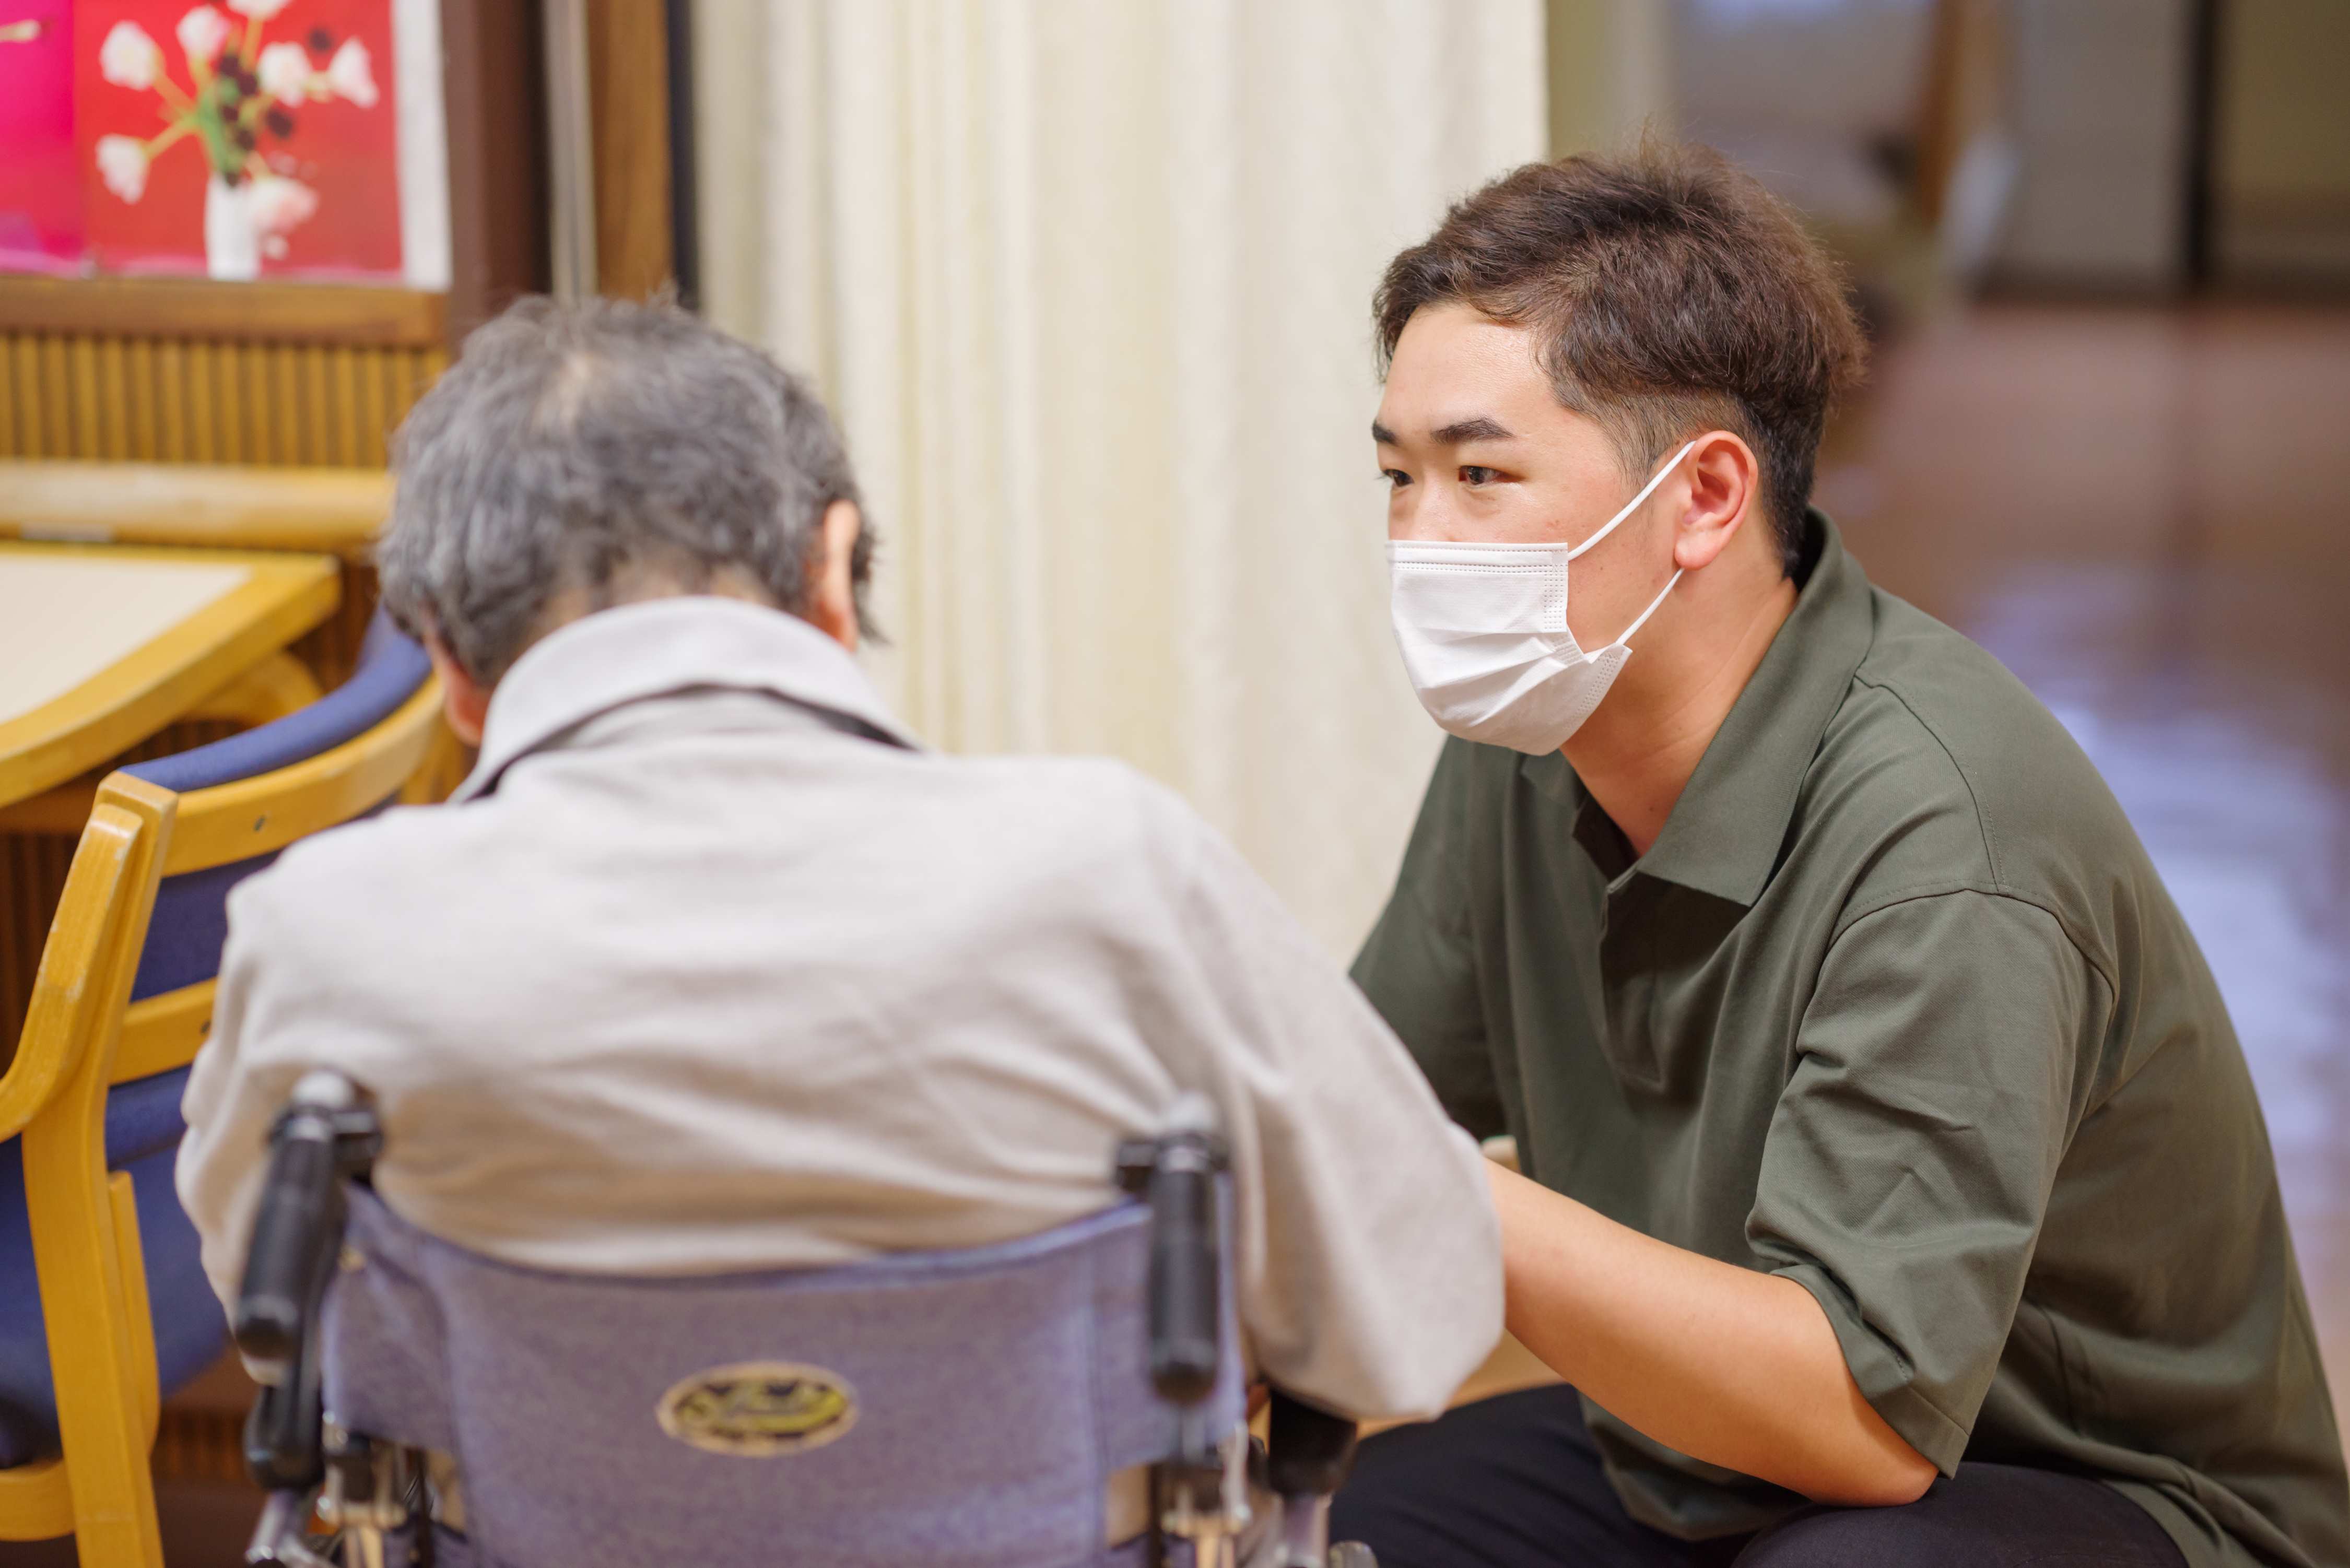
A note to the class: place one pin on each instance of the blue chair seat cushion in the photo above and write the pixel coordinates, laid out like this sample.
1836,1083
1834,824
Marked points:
142,1137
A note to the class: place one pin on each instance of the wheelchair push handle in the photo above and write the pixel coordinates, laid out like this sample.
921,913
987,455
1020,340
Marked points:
1185,1284
326,1134
1178,1172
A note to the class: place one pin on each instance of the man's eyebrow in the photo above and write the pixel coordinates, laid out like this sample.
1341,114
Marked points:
1460,432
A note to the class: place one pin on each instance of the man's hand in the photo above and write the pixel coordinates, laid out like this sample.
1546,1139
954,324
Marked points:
1737,1368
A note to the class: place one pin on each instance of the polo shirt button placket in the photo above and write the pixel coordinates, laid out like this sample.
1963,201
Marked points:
1628,989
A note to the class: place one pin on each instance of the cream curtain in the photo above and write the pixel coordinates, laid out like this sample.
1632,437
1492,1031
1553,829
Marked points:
1089,282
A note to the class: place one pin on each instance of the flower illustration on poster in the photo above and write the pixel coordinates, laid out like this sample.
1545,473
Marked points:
238,139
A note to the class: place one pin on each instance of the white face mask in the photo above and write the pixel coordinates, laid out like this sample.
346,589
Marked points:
1484,636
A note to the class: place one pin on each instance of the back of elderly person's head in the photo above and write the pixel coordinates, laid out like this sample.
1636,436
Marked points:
578,455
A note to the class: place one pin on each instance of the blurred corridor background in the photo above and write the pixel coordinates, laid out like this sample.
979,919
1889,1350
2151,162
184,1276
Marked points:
1090,285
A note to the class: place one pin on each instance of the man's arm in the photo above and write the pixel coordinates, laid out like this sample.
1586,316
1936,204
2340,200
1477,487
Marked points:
1730,1366
1938,1073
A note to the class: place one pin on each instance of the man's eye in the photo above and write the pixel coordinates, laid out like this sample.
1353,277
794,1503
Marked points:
1471,475
1397,478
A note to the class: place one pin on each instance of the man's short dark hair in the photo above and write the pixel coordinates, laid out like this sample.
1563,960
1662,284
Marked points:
1670,293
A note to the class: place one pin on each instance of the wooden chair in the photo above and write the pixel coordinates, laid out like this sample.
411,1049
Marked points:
104,1306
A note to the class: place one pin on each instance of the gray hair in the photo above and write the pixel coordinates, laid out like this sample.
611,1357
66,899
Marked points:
574,444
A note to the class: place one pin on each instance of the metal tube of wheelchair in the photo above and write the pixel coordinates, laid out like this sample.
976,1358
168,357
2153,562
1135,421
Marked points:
1304,1531
296,1228
281,1539
1308,1451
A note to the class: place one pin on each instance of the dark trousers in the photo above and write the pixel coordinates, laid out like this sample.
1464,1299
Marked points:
1514,1482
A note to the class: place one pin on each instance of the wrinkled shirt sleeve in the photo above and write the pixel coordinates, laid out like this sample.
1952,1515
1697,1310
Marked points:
234,1094
1369,1257
1908,1163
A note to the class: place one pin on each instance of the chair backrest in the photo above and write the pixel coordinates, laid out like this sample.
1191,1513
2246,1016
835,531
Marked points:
913,1411
202,820
244,799
53,1099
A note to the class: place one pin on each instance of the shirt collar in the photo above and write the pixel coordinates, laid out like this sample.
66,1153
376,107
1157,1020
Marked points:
1724,834
657,646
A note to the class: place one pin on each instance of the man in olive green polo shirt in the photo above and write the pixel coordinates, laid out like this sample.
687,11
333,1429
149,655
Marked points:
1898,1193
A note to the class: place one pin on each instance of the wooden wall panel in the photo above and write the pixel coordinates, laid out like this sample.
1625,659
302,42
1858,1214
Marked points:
31,877
494,90
160,400
628,68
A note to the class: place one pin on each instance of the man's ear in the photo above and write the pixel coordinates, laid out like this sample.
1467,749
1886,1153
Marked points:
466,700
1725,487
832,592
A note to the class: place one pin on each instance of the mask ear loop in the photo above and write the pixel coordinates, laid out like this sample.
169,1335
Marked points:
1630,507
1633,506
1645,614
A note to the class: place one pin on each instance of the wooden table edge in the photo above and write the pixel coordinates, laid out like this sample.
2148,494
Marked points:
283,597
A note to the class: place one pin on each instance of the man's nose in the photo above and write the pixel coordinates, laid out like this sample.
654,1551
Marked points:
1425,513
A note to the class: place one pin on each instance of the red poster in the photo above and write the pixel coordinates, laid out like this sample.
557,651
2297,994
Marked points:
237,139
40,177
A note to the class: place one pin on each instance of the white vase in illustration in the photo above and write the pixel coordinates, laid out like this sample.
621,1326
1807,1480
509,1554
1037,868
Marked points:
232,239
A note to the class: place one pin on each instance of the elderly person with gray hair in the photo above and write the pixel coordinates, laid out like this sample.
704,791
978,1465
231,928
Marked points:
709,966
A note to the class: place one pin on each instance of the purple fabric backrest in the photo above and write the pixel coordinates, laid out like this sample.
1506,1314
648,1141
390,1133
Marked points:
968,1408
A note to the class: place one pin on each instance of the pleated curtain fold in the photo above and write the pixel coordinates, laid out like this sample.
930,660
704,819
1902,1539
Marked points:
1089,284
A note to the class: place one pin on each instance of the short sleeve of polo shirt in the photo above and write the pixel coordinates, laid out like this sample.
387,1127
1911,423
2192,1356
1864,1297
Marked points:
1909,1161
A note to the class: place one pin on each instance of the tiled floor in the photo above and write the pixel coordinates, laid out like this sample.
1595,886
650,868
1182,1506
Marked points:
2145,513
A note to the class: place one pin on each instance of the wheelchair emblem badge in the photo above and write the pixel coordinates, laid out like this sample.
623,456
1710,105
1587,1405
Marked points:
759,1410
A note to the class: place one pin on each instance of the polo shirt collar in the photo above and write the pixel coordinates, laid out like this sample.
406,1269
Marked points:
661,647
1724,834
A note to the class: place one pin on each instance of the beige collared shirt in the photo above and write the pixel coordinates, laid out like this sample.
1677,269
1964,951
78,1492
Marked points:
708,967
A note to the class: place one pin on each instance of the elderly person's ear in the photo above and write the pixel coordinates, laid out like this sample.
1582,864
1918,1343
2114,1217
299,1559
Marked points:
466,700
832,601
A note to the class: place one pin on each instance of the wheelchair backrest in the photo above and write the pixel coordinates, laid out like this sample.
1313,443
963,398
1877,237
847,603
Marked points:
913,1411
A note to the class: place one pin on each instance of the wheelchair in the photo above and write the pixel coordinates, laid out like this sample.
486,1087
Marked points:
978,1407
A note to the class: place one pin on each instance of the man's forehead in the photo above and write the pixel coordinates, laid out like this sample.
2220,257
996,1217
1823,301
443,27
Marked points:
1455,333
1459,376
